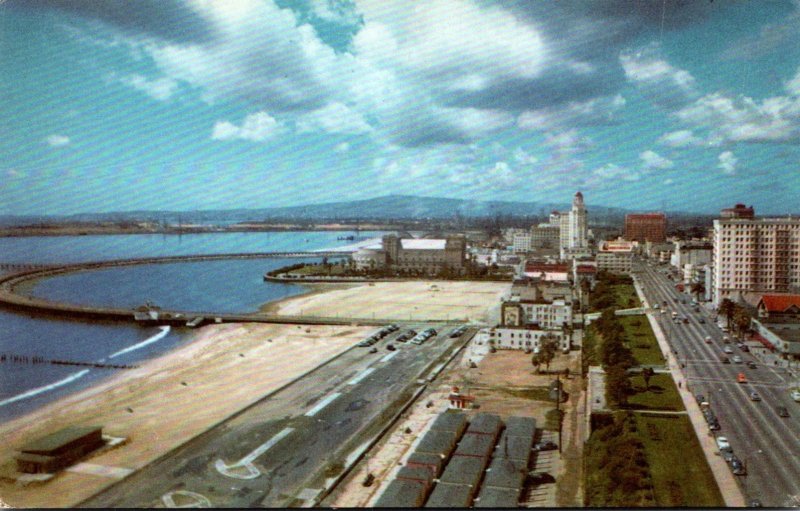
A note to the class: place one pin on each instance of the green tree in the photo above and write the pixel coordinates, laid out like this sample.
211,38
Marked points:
547,351
741,320
647,373
698,289
618,385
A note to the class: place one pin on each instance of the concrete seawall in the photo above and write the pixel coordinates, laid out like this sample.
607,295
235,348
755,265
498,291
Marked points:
9,298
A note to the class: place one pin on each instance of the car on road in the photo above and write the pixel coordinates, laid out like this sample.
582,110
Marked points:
741,378
373,350
754,396
728,350
402,338
737,359
752,365
726,339
744,347
723,444
546,445
738,467
755,503
708,339
701,320
726,360
796,395
700,398
713,425
390,347
782,411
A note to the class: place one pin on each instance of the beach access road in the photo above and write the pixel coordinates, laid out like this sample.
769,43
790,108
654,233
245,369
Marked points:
283,450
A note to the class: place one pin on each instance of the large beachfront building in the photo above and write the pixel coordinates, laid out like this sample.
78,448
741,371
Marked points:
615,257
422,256
754,255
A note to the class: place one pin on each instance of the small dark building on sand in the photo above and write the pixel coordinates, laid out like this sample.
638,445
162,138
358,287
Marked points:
58,450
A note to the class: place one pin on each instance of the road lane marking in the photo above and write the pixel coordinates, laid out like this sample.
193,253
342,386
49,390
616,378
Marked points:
197,499
100,470
389,356
361,376
246,464
322,404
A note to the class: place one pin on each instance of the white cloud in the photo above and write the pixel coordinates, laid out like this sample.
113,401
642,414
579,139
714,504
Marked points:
653,160
333,118
668,181
611,171
727,162
522,157
660,82
596,111
161,88
57,140
255,128
743,119
334,11
681,138
342,147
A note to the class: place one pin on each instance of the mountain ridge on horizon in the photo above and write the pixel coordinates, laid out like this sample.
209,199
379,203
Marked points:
385,207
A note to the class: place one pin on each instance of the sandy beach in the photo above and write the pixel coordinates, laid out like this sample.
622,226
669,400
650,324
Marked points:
169,400
407,300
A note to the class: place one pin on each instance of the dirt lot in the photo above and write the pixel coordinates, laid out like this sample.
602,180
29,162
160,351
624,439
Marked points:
169,400
497,374
423,300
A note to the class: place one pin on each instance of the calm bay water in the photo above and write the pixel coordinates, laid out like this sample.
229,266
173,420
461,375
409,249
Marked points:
221,286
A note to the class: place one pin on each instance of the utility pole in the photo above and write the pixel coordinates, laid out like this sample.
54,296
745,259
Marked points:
558,409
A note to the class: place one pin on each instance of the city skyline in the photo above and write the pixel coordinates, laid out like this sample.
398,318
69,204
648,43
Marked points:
194,106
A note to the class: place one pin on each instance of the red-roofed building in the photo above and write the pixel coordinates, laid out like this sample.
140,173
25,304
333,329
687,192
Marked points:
779,306
553,272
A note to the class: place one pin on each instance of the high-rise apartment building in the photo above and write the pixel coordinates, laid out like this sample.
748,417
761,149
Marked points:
574,238
646,227
760,255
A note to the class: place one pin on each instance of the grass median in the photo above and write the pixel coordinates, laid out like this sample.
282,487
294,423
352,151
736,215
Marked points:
641,340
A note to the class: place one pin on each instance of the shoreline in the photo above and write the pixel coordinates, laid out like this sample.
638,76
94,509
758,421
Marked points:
111,230
157,406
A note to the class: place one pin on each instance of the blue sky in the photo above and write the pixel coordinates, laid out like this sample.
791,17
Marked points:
181,105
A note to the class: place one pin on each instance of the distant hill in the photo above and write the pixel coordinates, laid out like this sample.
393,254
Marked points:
390,207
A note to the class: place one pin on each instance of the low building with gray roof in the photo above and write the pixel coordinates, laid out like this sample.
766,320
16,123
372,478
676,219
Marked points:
521,426
432,462
419,474
450,495
464,470
401,493
517,448
450,421
485,424
496,498
474,444
440,443
506,473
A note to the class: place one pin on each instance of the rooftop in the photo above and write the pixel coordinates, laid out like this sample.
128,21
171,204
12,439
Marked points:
521,426
417,244
506,473
463,470
450,495
498,498
54,442
780,302
402,493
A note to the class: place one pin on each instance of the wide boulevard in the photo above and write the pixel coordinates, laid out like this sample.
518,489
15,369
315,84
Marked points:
285,449
766,442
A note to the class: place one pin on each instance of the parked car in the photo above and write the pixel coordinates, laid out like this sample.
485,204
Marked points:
725,360
754,396
390,347
701,320
782,411
752,365
755,503
723,444
737,359
744,347
373,350
796,395
738,467
714,425
547,445
727,349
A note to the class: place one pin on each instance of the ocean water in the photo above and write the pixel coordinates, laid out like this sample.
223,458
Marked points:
229,285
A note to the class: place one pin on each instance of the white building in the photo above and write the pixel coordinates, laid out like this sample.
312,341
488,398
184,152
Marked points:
574,241
760,255
522,242
616,257
521,338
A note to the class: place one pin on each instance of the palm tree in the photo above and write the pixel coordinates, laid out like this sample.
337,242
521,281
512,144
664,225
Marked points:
727,308
741,320
697,289
647,373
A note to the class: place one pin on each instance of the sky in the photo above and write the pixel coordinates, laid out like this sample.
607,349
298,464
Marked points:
196,104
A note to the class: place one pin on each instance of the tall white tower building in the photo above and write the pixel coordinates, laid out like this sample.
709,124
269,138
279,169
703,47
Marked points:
577,223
